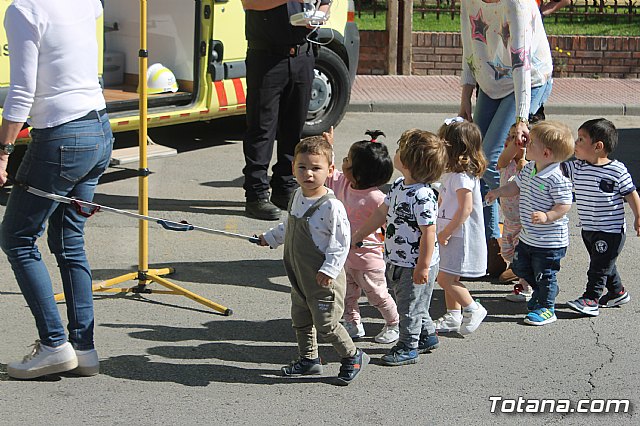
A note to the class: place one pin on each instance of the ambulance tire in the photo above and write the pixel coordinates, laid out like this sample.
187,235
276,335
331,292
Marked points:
330,93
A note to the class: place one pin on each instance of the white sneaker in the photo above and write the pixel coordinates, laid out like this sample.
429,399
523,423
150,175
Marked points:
447,324
519,297
472,319
88,363
355,330
389,334
44,360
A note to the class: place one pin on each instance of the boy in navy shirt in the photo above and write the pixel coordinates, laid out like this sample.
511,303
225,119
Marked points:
601,185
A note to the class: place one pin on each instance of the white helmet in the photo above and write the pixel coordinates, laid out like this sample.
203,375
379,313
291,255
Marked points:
160,79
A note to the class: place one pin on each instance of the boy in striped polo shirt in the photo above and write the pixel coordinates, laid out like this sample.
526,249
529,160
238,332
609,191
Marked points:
601,186
545,198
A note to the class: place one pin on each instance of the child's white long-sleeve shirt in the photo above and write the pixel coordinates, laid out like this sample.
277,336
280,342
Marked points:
329,228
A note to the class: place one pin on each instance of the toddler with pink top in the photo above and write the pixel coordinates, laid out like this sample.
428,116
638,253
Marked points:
366,167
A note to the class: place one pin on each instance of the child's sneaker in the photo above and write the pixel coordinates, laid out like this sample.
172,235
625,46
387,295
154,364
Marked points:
471,319
400,354
519,294
88,363
584,306
355,329
427,343
44,360
540,316
303,367
351,367
448,323
610,300
389,334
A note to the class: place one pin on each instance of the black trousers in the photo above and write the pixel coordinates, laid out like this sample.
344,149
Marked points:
278,95
603,248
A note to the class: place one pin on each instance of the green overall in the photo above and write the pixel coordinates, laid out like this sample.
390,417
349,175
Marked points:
313,308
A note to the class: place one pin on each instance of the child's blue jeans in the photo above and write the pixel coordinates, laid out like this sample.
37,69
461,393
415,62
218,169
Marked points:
539,266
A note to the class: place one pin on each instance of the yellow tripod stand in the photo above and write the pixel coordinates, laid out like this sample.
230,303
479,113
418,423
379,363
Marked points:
144,275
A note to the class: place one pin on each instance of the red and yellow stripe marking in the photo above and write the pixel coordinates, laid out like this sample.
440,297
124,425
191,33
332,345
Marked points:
226,90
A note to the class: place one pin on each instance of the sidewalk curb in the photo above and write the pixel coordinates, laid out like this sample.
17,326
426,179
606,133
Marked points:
452,108
404,107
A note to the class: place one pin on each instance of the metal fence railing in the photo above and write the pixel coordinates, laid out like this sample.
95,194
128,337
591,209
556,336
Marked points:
583,10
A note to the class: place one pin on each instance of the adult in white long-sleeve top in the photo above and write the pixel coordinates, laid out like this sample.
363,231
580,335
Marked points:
506,53
54,87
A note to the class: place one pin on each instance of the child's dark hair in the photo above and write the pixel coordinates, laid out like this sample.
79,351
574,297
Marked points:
316,145
601,129
371,164
464,148
424,154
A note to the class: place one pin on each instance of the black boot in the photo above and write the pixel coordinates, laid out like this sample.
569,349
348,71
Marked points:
281,200
262,209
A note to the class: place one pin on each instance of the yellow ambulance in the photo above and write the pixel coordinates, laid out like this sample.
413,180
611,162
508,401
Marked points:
201,44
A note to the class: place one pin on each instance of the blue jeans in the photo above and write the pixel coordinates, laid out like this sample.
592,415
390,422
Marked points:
414,301
495,117
66,160
539,266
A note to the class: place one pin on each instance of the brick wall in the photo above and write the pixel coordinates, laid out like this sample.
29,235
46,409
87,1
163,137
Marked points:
436,54
373,52
441,53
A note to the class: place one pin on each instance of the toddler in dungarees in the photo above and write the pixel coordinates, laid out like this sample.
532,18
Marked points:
316,236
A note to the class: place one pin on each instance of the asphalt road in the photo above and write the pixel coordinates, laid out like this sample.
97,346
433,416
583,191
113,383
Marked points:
168,360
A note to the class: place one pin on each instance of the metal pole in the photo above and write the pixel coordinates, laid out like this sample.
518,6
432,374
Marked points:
143,187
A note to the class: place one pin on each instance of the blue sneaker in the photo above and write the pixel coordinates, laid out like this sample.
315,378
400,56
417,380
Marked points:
351,367
427,343
541,316
400,354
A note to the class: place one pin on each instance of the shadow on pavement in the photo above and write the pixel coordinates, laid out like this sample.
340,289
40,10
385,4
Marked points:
218,207
190,136
256,273
139,367
277,330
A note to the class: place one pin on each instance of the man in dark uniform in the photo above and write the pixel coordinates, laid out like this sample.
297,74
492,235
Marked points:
280,62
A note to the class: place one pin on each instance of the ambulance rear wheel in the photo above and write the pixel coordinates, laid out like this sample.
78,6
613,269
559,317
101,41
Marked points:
330,93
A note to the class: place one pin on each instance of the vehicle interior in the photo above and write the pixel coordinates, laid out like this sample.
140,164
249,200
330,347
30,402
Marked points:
172,31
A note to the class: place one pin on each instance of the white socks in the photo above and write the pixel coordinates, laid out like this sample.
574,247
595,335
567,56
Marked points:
455,313
471,307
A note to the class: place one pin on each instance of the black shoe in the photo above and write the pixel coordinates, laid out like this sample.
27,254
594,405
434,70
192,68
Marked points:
262,209
281,201
427,343
351,367
303,367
